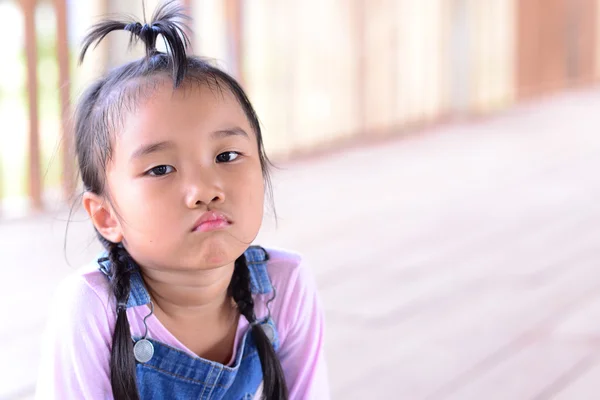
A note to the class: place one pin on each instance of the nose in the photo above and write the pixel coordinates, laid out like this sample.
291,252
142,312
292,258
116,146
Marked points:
205,189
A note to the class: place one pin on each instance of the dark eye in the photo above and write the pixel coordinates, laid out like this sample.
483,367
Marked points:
160,170
228,156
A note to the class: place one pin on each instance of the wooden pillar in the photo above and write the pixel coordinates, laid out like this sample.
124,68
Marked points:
35,182
62,45
528,48
556,45
234,20
360,8
581,41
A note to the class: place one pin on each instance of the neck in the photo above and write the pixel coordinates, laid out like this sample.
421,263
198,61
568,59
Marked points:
190,294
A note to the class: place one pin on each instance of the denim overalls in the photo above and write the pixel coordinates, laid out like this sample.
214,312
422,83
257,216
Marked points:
174,374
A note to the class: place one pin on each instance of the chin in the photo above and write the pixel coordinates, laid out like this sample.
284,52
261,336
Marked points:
218,251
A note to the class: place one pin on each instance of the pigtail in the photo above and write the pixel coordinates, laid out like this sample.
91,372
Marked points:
167,21
99,32
274,386
122,361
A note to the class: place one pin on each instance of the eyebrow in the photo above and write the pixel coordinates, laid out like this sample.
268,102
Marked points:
146,149
237,131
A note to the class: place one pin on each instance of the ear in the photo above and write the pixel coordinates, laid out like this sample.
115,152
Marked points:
103,217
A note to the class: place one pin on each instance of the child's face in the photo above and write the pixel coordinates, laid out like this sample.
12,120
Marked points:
200,129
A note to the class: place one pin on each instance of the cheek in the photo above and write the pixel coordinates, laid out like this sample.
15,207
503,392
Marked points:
251,196
257,191
142,206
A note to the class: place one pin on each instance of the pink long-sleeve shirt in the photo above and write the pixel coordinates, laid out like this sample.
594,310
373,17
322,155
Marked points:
76,345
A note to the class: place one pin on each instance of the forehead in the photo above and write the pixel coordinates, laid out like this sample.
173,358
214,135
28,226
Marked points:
193,106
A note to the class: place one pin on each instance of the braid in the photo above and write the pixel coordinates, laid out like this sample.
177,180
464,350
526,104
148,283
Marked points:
274,387
122,362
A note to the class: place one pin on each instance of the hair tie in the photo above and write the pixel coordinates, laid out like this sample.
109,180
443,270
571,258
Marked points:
145,28
133,27
122,306
266,328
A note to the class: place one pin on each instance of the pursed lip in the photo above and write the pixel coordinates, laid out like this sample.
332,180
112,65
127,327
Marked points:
211,220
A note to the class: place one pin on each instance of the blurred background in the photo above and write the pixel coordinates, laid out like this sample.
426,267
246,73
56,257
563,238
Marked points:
437,168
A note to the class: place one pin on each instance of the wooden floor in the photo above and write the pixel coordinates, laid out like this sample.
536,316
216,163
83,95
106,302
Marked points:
463,263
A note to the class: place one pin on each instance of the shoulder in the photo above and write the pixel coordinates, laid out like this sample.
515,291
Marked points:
81,294
293,281
300,321
287,271
79,314
282,263
76,343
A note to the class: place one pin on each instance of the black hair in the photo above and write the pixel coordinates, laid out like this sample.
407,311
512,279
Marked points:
97,119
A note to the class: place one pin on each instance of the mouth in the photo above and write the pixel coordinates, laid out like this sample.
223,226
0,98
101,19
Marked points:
211,221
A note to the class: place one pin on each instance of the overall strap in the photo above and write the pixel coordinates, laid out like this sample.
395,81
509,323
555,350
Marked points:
256,258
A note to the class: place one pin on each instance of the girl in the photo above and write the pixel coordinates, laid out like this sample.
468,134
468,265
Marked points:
180,306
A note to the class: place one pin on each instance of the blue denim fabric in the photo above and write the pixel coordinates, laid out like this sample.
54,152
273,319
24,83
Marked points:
173,374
